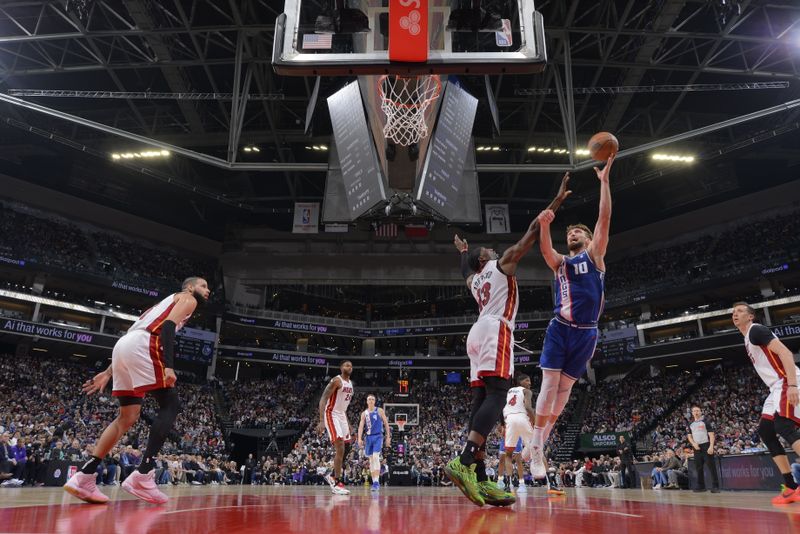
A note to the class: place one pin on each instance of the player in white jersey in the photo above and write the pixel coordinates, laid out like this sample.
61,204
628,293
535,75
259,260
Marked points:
333,418
493,284
518,415
780,416
142,362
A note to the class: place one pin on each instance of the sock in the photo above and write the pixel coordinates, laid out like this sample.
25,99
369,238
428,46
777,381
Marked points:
788,481
90,467
548,428
468,454
147,465
480,470
538,437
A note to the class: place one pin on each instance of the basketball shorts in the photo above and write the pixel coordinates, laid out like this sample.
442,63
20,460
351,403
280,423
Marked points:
137,364
373,444
490,347
518,430
778,403
568,349
517,449
337,426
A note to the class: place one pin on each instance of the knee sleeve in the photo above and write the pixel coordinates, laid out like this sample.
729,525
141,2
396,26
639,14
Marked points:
766,430
127,400
492,407
547,394
787,429
374,462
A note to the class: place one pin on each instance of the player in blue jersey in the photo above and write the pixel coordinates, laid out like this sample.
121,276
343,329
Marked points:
374,420
571,336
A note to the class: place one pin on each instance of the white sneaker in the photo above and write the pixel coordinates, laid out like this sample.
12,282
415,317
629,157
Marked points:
339,489
522,488
329,479
538,469
657,486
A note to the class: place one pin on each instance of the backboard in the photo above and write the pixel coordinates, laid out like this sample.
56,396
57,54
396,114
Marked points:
360,37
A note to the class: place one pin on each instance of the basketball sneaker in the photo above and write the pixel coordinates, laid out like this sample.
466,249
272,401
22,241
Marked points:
787,496
144,487
375,486
330,480
495,495
464,478
538,469
339,489
522,488
84,487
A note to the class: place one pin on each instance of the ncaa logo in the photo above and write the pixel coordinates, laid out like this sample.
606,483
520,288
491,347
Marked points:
411,22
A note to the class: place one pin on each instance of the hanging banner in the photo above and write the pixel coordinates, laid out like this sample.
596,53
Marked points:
306,218
497,221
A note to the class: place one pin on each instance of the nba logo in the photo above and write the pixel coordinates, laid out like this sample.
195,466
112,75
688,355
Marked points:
503,38
306,216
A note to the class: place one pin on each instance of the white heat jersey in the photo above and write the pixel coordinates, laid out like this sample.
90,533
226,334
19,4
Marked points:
515,401
340,400
152,319
496,293
768,365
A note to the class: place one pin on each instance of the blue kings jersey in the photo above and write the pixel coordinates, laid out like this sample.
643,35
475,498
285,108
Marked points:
373,422
579,290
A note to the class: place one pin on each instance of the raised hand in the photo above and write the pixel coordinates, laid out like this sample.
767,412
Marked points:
606,172
546,217
563,192
460,244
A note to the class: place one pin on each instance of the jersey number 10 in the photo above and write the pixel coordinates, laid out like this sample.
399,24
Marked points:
581,268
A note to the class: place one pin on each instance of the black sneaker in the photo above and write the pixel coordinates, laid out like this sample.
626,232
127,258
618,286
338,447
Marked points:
714,490
699,490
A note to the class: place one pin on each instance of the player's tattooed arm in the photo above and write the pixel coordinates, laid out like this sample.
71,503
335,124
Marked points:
514,254
332,386
529,405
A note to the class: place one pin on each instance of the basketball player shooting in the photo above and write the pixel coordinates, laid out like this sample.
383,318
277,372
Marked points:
780,415
571,336
374,419
492,281
333,418
142,362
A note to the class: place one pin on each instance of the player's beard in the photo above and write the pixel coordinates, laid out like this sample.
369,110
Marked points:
199,297
577,246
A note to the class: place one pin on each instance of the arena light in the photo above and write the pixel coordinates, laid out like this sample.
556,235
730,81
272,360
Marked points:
146,154
709,360
251,148
39,349
582,152
673,158
79,355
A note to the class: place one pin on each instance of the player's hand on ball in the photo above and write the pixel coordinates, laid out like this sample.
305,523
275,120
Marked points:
461,244
95,384
563,192
169,377
793,396
606,172
546,217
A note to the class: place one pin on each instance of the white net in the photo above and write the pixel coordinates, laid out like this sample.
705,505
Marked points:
405,101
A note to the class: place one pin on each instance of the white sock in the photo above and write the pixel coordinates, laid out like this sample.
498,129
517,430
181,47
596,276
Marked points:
538,437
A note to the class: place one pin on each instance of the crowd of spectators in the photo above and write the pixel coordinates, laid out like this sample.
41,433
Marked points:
30,236
281,402
765,244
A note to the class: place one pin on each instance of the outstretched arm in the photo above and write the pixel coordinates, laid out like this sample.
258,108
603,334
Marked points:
513,254
463,249
551,257
599,244
332,386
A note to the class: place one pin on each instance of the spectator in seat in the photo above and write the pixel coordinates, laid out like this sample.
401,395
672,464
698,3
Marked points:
6,455
658,474
673,468
20,452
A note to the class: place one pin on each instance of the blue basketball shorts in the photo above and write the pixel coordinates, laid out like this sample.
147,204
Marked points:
568,349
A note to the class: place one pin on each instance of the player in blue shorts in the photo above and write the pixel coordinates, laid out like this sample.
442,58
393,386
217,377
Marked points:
571,336
374,419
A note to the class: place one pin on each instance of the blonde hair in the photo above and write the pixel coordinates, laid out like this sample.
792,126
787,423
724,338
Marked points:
581,227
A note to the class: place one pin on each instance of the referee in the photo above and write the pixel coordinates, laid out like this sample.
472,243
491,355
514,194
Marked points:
701,436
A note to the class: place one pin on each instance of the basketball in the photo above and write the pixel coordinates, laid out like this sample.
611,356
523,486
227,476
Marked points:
602,146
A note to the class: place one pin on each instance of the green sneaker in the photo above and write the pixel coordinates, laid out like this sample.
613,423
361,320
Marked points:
463,478
495,495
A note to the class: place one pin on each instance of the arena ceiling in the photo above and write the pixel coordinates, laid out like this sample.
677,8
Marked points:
645,70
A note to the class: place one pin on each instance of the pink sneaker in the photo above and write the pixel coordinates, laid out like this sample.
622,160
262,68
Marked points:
84,487
144,487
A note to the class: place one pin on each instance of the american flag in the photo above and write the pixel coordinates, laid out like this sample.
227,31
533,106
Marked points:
386,230
317,41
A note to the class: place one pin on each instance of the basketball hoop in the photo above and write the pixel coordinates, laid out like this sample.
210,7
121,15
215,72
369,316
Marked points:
404,101
401,425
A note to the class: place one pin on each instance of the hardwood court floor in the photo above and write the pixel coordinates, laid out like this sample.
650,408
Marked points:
313,510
